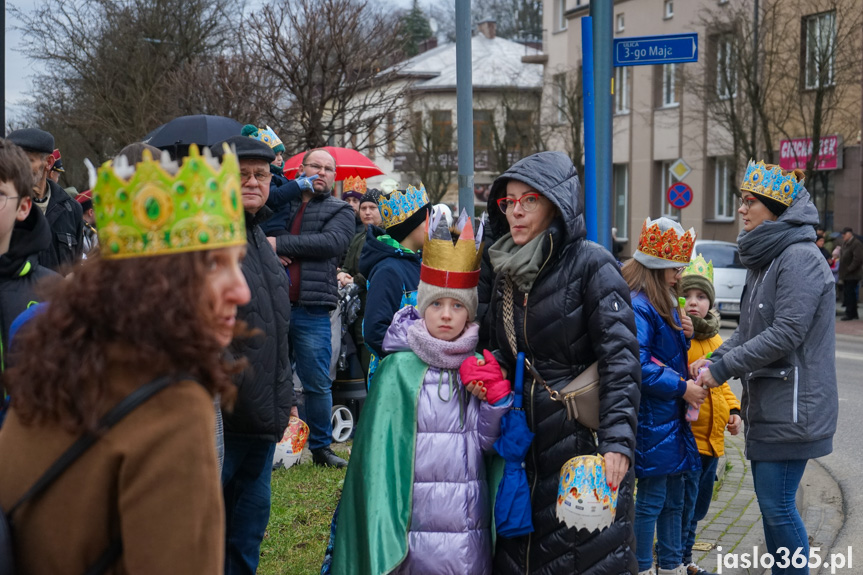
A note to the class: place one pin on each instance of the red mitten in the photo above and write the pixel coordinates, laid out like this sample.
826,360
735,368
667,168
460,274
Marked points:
486,373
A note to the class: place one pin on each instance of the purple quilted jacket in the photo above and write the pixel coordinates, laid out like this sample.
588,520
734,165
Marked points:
450,530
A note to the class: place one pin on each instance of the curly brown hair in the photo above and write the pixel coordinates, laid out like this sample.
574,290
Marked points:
152,305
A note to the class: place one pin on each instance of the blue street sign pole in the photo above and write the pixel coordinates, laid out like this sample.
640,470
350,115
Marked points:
649,50
590,215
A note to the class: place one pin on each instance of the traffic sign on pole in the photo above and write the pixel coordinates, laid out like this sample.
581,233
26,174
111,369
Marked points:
645,50
679,195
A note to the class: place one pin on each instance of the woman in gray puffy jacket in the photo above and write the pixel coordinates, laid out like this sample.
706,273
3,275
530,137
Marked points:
783,349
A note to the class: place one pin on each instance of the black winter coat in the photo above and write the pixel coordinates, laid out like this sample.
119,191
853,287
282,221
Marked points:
66,221
20,271
326,231
265,390
577,312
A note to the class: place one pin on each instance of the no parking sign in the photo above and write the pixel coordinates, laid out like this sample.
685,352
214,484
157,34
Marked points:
679,195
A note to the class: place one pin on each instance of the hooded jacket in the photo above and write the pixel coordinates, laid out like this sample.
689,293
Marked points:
577,312
66,223
393,277
20,271
265,390
783,349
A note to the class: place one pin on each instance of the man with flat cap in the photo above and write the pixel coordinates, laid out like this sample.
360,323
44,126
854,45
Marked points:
62,212
265,392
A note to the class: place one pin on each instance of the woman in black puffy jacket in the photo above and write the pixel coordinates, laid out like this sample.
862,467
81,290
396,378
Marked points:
571,308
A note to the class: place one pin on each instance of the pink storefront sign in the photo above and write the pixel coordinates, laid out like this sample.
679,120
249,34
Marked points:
794,154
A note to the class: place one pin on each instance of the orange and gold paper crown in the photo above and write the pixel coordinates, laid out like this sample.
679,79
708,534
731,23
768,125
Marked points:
669,245
354,184
451,264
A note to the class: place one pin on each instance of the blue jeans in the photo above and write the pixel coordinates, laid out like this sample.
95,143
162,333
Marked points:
776,484
697,510
659,507
246,486
312,349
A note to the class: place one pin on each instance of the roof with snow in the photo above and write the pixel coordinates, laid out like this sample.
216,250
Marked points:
496,64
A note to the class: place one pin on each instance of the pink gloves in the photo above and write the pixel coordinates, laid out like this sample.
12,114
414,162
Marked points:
487,374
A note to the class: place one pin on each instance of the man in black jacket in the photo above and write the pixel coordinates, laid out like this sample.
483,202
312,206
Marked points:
265,390
62,212
311,245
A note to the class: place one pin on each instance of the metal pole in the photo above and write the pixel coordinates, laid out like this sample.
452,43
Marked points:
464,106
590,211
754,83
3,71
602,14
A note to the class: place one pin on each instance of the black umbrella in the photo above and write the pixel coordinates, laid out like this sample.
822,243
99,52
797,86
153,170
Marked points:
177,135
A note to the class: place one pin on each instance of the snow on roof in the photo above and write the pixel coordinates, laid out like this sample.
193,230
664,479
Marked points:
496,63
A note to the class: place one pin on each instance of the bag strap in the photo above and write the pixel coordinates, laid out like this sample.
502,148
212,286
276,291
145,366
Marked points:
509,329
117,413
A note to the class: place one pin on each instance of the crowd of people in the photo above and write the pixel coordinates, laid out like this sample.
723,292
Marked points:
163,315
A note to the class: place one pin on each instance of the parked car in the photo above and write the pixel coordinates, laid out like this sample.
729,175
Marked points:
729,275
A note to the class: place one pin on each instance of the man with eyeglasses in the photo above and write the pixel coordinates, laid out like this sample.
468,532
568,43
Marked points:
62,212
265,391
311,245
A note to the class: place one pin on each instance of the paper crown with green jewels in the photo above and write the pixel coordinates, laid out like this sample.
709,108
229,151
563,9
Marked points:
772,182
700,267
145,210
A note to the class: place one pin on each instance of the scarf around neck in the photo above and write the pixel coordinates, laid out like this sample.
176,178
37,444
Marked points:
439,353
705,327
521,263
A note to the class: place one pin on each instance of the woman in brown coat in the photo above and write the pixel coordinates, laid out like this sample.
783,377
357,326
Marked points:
158,301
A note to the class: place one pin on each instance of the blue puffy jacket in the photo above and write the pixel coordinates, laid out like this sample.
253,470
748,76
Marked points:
664,442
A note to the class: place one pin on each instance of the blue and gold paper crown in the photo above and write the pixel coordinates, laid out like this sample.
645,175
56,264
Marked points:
773,182
144,210
399,205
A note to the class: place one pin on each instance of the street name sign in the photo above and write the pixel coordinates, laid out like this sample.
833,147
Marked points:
646,50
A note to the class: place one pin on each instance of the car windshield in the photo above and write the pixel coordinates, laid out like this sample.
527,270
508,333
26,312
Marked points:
722,256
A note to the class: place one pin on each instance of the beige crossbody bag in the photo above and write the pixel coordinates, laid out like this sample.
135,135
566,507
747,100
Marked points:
580,397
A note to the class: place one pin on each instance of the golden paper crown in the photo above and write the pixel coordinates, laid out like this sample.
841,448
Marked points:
700,267
773,182
451,264
143,210
399,205
667,245
354,184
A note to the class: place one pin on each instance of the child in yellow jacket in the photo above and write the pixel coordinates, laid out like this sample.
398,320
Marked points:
720,409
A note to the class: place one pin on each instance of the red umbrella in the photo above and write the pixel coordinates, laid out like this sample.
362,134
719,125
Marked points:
348,163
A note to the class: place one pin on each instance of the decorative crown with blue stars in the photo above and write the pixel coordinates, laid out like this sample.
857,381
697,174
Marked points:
399,205
772,182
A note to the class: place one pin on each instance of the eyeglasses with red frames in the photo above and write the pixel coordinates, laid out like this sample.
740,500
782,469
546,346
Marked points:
529,202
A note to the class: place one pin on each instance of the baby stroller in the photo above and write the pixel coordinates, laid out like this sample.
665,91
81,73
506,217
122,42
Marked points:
349,386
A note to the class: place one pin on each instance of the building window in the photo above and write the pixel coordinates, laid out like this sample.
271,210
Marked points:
621,90
620,22
669,85
441,125
668,10
561,14
483,125
726,67
391,131
820,41
723,189
620,183
519,132
666,179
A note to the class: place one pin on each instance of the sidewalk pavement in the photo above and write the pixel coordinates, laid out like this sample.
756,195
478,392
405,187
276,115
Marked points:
853,328
733,524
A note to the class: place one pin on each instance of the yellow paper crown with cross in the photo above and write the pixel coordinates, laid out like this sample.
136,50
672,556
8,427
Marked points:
700,267
154,208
